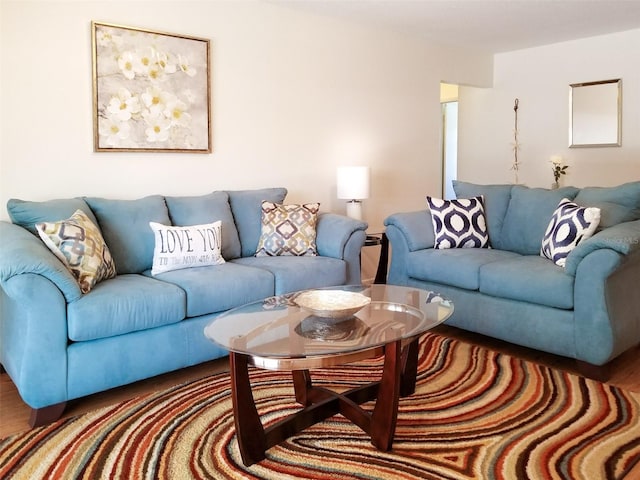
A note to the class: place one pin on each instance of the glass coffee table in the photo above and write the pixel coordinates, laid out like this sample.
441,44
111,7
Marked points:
321,328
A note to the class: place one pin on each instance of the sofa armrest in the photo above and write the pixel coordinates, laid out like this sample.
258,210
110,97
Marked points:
623,238
333,231
34,338
416,228
407,232
341,237
22,252
606,306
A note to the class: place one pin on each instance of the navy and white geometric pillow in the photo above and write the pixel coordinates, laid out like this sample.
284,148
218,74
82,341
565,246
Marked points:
569,225
459,223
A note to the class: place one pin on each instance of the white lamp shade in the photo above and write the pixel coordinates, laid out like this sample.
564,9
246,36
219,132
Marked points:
353,183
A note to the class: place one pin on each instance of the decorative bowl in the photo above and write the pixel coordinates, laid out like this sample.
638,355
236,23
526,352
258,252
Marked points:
332,303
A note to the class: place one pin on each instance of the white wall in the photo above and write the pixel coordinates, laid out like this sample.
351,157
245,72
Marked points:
293,96
540,78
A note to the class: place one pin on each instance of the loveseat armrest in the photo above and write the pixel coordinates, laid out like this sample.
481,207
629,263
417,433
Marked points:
407,232
22,252
623,238
341,237
416,227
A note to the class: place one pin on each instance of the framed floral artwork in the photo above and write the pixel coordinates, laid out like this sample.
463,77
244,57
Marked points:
151,91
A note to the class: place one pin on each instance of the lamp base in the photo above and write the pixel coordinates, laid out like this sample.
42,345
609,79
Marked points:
354,209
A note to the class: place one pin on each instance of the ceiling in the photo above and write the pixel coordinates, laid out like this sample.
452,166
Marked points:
489,25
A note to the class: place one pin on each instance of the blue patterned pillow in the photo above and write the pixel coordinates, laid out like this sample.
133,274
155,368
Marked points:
569,225
459,223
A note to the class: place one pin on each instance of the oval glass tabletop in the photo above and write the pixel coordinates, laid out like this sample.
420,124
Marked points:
277,327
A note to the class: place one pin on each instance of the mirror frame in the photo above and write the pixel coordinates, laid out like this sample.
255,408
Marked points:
575,123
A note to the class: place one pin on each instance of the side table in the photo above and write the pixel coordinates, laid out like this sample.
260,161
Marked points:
374,239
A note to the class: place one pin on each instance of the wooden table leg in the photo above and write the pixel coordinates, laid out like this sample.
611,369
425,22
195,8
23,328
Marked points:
249,429
409,369
385,413
301,385
398,378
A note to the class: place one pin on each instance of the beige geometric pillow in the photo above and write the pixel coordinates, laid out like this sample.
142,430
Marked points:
79,245
288,230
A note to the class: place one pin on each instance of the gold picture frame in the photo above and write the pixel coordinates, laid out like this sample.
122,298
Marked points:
151,91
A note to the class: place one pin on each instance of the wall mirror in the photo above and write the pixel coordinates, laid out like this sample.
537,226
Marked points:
595,114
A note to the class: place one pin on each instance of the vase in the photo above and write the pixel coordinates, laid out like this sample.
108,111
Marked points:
555,186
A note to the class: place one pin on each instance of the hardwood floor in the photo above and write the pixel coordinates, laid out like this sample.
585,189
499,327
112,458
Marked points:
624,371
14,414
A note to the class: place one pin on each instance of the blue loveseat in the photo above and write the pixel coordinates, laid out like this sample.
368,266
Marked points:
58,344
589,310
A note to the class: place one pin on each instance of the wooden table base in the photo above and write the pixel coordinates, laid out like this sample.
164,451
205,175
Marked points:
398,379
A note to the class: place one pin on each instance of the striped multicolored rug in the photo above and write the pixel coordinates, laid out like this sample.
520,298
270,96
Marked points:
476,414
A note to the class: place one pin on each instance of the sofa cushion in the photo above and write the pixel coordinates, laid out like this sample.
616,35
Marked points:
186,247
459,223
246,206
528,216
299,273
569,225
458,267
27,214
207,209
288,230
78,244
617,204
496,200
220,287
125,227
124,304
528,278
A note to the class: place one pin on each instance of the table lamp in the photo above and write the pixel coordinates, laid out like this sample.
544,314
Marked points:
353,185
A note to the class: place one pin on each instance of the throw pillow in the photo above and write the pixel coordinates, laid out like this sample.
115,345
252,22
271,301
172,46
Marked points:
617,204
246,207
528,215
569,225
208,208
288,230
459,223
125,227
78,243
26,213
495,199
186,247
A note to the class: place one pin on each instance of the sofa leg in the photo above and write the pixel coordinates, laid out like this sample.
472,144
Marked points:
601,373
43,416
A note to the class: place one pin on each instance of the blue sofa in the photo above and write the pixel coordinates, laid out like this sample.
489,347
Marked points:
58,344
589,310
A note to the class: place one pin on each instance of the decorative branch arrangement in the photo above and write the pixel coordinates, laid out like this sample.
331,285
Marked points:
516,146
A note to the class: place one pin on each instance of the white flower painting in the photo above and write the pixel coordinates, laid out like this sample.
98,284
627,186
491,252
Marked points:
151,91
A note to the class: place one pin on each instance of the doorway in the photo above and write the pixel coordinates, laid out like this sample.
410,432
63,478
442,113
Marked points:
449,103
